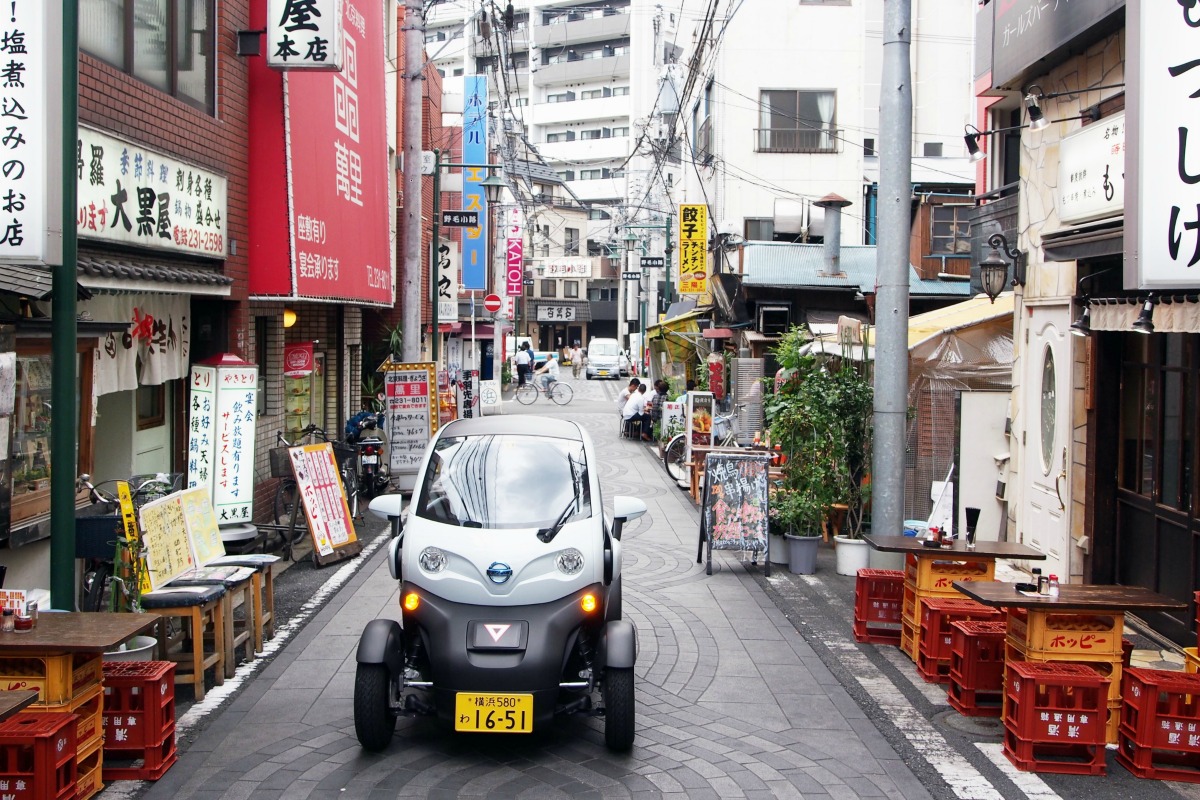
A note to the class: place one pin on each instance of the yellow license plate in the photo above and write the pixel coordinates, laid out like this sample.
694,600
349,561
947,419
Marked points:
603,371
493,713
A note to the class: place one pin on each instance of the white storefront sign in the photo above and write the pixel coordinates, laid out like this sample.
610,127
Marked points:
134,195
221,442
447,292
556,313
307,34
1091,172
565,267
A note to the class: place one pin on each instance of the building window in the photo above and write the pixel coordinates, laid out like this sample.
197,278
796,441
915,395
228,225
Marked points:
602,294
620,91
950,232
561,97
598,213
760,230
571,289
548,288
561,136
868,147
591,175
168,44
933,150
623,131
797,121
151,406
595,94
571,243
594,133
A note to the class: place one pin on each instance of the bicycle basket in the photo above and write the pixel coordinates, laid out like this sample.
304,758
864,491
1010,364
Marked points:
281,462
343,452
96,536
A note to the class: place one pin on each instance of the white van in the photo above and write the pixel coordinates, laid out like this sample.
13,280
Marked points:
605,359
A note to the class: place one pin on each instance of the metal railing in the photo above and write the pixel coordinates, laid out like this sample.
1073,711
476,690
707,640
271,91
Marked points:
789,140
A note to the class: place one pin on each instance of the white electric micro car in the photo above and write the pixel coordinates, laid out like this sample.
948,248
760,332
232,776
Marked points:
510,589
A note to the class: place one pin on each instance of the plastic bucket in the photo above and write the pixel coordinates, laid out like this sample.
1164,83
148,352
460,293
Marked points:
138,648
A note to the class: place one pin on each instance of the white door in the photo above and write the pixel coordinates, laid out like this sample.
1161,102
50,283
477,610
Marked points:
981,439
1044,520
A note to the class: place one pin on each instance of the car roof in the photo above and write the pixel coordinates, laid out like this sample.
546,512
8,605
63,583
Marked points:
520,425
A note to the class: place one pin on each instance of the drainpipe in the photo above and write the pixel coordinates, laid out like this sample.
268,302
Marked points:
832,253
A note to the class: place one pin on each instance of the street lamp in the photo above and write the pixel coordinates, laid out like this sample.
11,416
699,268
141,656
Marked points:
993,270
668,249
492,185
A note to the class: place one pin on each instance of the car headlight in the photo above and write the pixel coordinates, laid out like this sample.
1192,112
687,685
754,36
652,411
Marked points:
570,561
432,560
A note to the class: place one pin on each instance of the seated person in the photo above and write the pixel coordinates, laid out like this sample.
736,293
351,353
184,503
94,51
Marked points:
548,373
635,411
624,394
654,404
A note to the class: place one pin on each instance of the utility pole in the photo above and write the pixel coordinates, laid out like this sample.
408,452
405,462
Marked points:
414,62
891,303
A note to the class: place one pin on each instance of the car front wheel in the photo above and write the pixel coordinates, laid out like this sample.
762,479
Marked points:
618,708
374,722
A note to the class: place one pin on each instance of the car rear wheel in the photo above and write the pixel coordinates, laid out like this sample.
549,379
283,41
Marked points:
374,722
618,708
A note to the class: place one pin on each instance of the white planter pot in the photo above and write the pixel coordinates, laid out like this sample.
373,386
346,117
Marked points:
777,550
852,555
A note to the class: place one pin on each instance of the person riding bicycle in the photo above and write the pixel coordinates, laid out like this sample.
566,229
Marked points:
548,373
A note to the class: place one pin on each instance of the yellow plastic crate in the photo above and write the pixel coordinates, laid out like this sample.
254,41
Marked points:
57,678
1064,636
1191,662
89,708
89,781
938,575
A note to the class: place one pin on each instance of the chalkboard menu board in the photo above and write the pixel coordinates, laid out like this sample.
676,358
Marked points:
733,508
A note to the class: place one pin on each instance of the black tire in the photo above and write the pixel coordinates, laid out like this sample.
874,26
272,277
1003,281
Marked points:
374,722
285,497
353,490
527,394
674,455
588,376
619,709
94,581
561,393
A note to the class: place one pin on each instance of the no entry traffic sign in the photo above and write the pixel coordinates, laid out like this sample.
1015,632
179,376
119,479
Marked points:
492,303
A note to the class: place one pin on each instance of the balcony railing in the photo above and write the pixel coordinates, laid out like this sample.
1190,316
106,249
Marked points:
787,140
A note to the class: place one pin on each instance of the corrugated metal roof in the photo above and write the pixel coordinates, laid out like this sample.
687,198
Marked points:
781,264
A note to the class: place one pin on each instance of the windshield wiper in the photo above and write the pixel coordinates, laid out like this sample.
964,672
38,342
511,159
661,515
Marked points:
548,534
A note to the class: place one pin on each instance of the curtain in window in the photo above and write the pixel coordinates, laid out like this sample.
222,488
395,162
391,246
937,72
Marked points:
825,109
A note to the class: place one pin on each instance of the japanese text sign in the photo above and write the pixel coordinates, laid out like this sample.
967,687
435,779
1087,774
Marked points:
474,268
564,267
323,496
468,394
556,313
1091,171
447,281
298,360
460,219
221,428
693,249
411,421
165,541
304,34
514,261
134,195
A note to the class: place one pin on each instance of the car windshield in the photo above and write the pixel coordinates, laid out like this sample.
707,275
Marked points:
603,349
505,481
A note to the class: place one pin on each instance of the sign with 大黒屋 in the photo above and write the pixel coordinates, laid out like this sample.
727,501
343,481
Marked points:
474,136
221,427
693,249
304,34
131,194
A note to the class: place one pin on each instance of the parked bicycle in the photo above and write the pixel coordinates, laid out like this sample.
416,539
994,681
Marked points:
100,540
557,391
286,492
724,432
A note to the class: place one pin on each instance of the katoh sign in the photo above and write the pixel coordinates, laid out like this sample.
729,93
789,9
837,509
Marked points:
221,427
514,262
130,194
305,34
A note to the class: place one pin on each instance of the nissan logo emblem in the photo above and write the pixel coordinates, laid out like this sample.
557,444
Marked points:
499,572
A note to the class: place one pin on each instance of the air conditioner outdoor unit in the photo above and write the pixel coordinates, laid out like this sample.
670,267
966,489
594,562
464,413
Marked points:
773,320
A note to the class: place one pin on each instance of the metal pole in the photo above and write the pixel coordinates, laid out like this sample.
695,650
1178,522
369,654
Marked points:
435,257
667,251
64,423
414,57
621,301
891,305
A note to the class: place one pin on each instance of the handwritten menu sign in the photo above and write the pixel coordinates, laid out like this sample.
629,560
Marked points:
14,599
468,394
411,415
733,512
165,541
221,426
323,497
201,521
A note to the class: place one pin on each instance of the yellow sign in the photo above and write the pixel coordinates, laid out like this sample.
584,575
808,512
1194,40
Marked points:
201,520
693,249
128,516
166,542
324,498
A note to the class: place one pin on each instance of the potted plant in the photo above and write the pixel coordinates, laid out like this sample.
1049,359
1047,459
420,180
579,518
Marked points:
796,514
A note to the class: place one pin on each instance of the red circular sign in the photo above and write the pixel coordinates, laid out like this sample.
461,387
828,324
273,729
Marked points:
492,302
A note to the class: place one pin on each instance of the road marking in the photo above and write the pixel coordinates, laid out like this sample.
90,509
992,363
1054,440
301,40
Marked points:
1028,782
933,692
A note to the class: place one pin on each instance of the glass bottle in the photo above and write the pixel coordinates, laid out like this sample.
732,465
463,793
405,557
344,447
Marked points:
1040,580
1053,588
8,621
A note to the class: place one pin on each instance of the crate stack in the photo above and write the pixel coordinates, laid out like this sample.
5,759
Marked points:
937,637
1160,725
1191,654
930,577
1054,718
39,757
139,719
67,684
878,605
1093,640
977,668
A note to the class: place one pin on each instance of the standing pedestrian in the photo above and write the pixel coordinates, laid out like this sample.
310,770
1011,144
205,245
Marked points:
523,359
576,360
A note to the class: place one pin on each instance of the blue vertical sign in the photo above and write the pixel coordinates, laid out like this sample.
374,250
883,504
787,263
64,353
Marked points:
474,247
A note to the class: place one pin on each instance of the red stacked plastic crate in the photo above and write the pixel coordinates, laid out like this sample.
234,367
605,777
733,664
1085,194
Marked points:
977,668
1160,725
878,605
1055,718
936,637
38,756
139,719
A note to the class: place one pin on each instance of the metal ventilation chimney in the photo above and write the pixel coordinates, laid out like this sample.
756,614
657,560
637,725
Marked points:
833,205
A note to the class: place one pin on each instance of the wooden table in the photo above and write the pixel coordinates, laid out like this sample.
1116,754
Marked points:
1085,623
12,702
76,632
931,572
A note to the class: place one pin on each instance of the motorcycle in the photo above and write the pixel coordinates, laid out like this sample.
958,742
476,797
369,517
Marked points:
363,431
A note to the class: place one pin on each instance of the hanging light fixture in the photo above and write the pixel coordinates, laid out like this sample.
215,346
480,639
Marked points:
289,318
1083,325
1145,321
492,185
1037,120
972,140
993,270
631,241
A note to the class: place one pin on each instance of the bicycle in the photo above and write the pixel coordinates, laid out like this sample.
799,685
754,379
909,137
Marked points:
557,391
724,435
285,510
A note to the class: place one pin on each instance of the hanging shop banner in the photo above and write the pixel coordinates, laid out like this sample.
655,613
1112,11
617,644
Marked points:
468,394
321,227
447,291
411,414
221,435
298,360
31,102
693,249
323,496
305,34
515,259
132,194
156,347
474,260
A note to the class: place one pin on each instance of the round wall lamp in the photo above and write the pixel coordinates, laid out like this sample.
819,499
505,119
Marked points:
289,318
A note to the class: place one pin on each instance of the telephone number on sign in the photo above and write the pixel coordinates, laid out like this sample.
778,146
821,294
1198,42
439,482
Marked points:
196,239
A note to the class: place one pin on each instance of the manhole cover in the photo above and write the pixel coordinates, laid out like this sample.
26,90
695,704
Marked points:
983,727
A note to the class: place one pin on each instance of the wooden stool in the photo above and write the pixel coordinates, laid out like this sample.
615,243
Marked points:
264,592
237,587
199,607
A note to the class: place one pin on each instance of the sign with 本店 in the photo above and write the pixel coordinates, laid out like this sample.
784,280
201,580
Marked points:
410,413
304,34
693,249
131,194
1091,171
221,427
319,485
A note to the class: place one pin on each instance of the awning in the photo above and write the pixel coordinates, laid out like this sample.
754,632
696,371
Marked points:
129,274
718,333
679,336
1172,313
35,281
449,327
1095,240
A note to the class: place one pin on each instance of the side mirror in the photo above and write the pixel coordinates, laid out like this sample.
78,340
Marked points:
625,509
394,558
391,508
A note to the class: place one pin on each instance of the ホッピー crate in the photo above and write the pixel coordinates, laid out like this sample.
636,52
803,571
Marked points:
936,637
938,575
139,704
38,756
1055,718
57,678
977,668
878,605
1066,635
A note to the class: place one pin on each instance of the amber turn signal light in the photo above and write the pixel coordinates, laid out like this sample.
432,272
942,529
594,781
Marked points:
411,601
588,603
